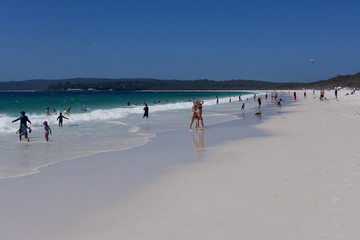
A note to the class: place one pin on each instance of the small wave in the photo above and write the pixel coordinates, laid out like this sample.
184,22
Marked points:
134,129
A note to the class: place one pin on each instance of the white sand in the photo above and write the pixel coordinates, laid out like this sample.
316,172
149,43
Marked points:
300,182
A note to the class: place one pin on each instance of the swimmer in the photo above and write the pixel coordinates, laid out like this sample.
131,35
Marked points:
67,111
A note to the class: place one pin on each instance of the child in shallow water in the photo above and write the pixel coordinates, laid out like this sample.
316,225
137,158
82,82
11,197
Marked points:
23,131
47,130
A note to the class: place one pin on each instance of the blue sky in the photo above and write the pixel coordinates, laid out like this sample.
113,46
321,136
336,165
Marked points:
218,40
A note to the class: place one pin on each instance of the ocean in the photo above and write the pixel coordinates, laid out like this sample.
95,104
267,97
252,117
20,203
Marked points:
109,124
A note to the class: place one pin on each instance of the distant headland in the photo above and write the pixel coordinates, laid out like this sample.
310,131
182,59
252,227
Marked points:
141,84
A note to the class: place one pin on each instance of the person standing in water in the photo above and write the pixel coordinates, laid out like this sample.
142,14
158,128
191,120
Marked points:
259,102
47,130
23,125
146,111
60,119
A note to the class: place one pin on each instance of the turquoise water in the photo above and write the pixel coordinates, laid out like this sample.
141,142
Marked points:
108,125
37,102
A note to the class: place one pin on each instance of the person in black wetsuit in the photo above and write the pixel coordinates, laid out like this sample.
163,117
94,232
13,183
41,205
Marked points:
23,125
259,102
60,119
146,111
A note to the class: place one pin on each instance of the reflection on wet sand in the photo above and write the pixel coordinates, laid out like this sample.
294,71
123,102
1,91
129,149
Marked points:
198,141
243,115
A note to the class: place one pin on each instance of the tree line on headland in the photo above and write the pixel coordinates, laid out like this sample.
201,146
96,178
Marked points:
138,84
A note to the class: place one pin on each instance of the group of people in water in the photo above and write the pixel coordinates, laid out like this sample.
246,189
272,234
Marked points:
24,129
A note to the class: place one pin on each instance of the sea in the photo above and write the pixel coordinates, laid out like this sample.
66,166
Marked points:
113,122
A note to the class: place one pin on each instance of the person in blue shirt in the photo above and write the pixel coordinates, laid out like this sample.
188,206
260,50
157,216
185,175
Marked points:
23,125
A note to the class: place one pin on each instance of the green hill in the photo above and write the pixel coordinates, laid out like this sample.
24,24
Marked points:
350,81
134,84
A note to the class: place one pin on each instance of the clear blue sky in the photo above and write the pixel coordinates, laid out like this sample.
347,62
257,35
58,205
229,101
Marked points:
213,39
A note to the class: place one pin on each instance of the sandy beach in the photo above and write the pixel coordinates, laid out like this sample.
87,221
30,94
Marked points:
299,180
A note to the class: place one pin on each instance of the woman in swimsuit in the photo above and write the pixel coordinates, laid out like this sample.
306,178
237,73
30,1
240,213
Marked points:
199,104
195,115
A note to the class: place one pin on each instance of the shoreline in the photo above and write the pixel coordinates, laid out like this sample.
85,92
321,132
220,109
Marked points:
84,154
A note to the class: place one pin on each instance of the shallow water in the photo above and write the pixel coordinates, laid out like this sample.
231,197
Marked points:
108,125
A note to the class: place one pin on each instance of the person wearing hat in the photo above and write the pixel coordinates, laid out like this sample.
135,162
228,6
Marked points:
23,125
47,130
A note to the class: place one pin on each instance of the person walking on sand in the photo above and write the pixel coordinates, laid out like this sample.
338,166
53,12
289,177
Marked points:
23,125
336,90
322,94
200,106
60,119
47,130
195,115
146,111
243,107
